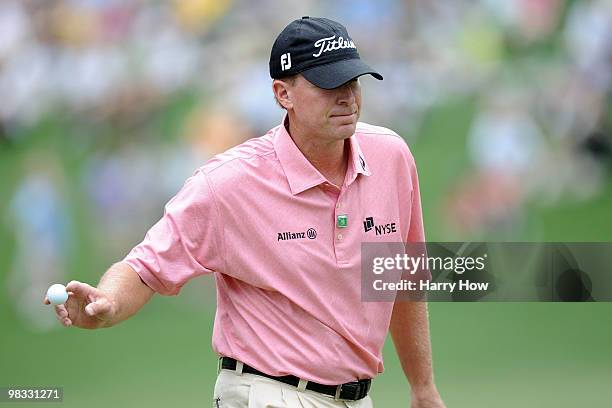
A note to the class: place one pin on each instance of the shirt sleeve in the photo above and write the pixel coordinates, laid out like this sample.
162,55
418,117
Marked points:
416,231
184,243
415,244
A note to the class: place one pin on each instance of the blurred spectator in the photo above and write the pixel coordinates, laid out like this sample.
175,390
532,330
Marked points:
505,146
43,231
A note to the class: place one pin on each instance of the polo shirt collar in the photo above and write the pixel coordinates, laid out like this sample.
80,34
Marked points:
300,173
358,162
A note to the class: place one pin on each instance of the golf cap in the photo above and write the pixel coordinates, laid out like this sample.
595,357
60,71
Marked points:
321,50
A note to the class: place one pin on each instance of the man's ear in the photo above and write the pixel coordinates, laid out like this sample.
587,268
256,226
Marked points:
282,93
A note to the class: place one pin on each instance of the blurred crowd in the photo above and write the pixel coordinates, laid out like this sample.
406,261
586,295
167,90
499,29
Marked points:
147,91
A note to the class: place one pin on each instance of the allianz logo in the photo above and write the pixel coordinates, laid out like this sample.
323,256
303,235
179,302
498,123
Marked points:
310,233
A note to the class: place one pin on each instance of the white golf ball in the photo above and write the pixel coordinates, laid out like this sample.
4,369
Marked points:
57,294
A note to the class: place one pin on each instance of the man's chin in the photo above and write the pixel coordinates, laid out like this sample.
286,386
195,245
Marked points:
347,130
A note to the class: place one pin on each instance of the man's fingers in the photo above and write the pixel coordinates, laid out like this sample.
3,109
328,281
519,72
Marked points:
98,307
60,311
46,301
78,288
63,318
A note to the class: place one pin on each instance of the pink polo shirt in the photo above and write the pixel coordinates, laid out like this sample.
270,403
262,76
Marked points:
288,278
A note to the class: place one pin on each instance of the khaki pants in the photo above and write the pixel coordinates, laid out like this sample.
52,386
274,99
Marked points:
233,390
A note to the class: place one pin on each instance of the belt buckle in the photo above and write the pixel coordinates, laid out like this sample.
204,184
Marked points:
360,390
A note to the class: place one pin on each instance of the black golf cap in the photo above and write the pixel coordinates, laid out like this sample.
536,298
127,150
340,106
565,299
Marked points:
321,50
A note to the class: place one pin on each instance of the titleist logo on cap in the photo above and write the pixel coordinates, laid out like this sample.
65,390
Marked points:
331,44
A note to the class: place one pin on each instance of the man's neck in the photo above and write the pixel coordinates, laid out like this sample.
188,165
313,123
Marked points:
330,158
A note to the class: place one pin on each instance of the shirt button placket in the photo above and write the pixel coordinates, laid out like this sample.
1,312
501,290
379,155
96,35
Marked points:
340,232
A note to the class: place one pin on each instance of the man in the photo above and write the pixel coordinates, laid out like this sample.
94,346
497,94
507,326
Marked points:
279,221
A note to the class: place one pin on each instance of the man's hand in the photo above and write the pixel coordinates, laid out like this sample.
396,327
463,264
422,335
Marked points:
87,307
427,397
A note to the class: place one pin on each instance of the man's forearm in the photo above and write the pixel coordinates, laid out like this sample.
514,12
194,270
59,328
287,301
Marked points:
127,292
410,333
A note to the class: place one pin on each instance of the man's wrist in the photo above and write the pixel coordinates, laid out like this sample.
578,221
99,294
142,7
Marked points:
426,396
424,390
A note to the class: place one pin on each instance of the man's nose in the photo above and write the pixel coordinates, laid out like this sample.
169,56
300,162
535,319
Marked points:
346,94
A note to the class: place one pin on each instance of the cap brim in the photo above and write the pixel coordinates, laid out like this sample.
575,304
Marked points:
330,76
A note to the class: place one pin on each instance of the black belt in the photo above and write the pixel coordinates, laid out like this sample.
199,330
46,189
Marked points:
351,391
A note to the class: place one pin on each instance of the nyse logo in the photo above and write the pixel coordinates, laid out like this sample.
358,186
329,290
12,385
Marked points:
368,224
383,229
286,61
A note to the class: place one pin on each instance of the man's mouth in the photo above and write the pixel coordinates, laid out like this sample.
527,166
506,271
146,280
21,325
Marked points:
343,115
